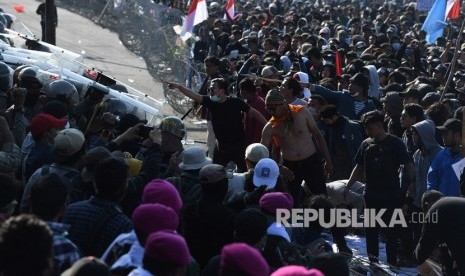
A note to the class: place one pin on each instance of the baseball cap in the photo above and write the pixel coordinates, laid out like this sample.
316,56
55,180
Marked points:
213,173
266,173
360,44
430,98
93,156
325,31
412,92
360,80
301,77
88,266
173,125
440,69
69,141
454,125
43,122
256,151
269,71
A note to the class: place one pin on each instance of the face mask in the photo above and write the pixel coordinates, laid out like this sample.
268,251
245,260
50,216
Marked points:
396,46
215,99
358,53
348,41
378,29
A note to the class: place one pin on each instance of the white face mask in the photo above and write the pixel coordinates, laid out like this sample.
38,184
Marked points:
215,99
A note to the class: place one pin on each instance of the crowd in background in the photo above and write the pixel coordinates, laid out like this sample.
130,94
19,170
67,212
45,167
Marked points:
317,105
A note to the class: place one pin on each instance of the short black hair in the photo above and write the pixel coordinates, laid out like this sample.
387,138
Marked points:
318,98
213,60
314,52
26,246
247,85
48,196
110,175
294,85
222,84
415,110
328,111
372,117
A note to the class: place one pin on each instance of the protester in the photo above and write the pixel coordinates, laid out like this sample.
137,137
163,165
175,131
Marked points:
298,151
347,54
379,159
441,176
226,114
96,222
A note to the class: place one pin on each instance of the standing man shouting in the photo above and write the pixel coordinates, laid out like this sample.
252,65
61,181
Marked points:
227,121
291,129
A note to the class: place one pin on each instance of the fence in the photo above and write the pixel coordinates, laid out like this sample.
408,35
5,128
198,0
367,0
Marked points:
146,28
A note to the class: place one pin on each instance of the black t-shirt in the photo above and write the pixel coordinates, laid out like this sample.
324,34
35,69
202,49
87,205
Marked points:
227,119
381,161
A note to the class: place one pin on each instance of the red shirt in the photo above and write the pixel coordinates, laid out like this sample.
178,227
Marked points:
253,128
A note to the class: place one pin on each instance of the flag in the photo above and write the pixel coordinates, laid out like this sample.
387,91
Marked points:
196,15
229,9
435,21
453,9
338,64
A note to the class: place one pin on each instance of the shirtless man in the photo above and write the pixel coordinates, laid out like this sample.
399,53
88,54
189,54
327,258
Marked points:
291,128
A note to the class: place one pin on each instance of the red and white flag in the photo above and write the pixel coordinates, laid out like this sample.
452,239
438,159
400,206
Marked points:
197,14
452,9
229,10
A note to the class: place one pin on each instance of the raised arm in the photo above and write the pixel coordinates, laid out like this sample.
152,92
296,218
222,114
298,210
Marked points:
186,91
330,96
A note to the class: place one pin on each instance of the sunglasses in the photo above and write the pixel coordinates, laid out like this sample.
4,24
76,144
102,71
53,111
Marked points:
272,107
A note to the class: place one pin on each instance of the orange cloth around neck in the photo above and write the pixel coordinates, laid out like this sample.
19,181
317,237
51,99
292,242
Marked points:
288,119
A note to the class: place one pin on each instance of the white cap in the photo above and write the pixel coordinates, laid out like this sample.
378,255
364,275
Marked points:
266,173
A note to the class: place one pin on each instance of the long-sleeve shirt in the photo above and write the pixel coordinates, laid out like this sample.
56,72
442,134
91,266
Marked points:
441,176
10,157
344,102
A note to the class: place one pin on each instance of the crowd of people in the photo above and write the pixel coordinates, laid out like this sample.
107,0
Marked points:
317,105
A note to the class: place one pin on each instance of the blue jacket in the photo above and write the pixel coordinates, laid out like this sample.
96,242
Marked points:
353,133
344,102
441,176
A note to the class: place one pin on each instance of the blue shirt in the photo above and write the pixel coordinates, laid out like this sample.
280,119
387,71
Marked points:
441,176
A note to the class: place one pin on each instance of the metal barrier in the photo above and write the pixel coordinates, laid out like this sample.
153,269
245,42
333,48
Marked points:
146,28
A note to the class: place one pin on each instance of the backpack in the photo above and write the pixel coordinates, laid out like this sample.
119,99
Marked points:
77,191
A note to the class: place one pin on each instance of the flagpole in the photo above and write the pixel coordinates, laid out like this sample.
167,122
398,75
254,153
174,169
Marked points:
454,60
